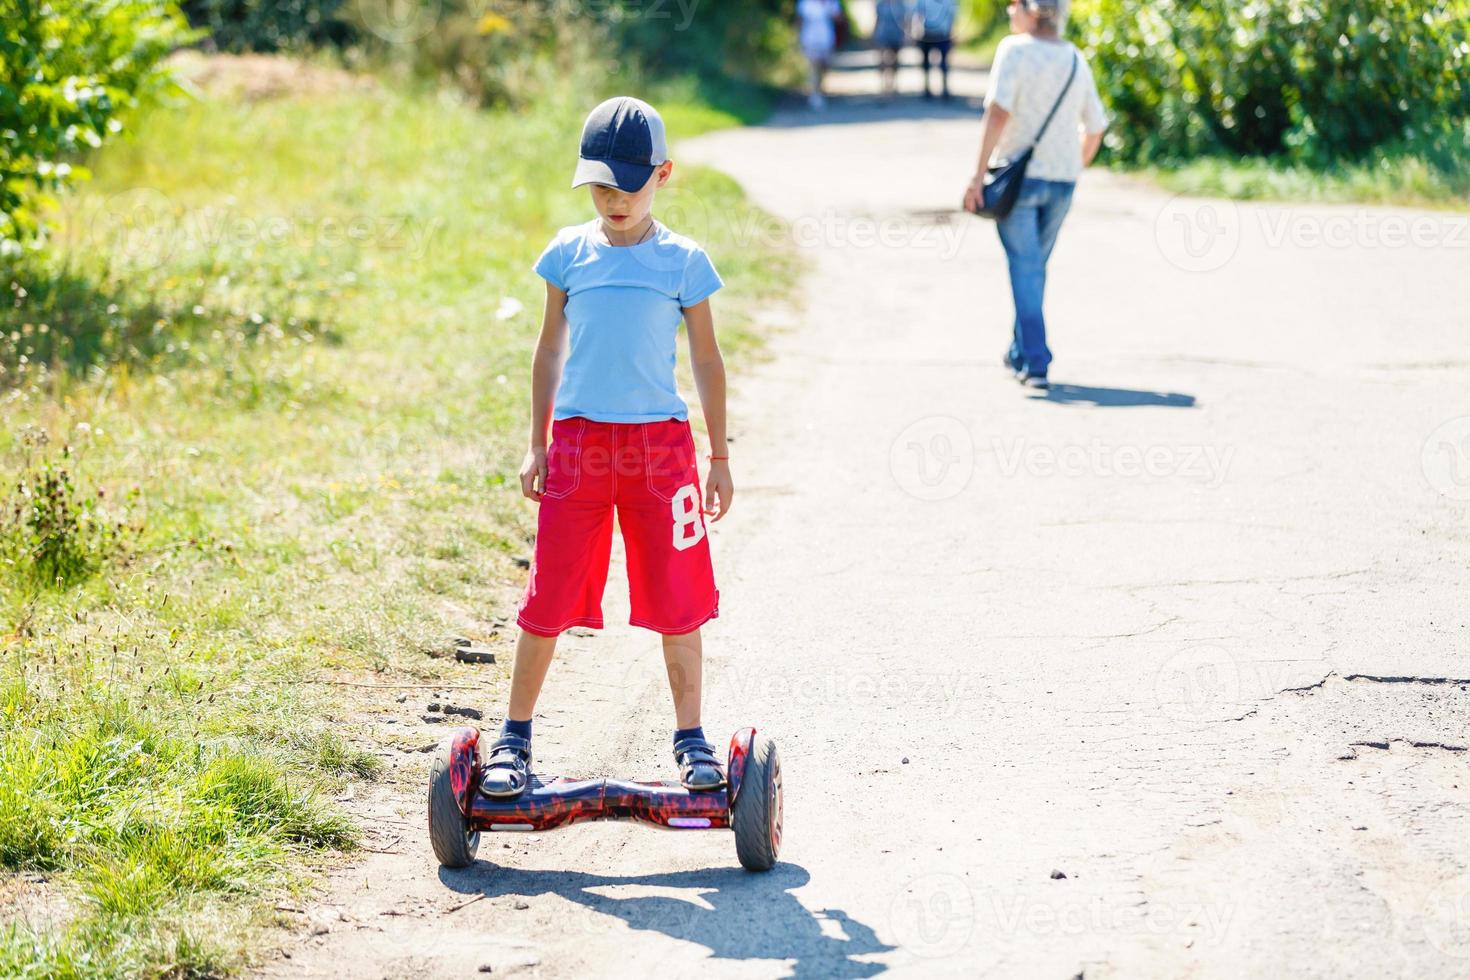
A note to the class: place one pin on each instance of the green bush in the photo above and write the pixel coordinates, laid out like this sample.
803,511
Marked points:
738,39
1320,83
269,25
510,54
525,52
69,71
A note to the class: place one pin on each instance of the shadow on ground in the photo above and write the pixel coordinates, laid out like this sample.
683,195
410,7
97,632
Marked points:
844,109
736,915
1112,397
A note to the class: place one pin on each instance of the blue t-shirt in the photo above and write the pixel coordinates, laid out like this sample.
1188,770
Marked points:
624,304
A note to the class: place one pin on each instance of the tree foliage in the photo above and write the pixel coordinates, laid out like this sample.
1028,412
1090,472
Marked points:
1302,79
69,72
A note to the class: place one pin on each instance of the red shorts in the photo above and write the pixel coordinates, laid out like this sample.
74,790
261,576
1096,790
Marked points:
647,472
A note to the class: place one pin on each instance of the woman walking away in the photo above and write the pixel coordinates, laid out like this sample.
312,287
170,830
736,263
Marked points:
1035,70
935,20
888,38
817,34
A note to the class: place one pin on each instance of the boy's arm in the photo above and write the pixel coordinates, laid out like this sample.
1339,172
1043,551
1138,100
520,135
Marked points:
551,345
709,378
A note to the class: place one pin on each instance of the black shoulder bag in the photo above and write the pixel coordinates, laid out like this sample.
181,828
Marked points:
1003,184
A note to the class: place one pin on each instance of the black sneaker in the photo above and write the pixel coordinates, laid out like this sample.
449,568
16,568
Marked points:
507,770
1037,381
699,768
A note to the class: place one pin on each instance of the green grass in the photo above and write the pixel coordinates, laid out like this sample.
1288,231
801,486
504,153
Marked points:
301,329
1403,175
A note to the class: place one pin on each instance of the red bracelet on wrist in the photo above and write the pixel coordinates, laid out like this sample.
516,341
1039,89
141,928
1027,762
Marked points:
719,457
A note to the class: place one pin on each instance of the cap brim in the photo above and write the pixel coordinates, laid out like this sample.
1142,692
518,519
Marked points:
629,177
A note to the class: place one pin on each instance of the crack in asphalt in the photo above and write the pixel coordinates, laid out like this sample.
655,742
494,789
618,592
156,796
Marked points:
1405,679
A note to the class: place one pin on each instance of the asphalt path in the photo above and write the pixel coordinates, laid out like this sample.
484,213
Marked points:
1160,673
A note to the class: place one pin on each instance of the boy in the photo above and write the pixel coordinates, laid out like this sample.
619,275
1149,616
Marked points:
616,288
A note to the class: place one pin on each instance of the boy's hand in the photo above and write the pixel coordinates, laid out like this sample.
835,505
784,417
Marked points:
718,487
533,473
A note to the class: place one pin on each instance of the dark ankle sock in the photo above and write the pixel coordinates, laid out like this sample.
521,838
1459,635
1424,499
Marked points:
680,734
519,728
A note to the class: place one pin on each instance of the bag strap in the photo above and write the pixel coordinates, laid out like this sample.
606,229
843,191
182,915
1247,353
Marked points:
1058,103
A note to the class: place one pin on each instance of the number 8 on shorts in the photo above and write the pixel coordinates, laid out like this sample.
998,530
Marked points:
688,528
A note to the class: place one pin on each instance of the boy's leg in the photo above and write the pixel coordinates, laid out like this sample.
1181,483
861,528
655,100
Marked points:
684,661
564,588
670,578
533,659
699,766
507,769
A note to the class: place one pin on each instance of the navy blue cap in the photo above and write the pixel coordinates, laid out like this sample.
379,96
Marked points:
622,144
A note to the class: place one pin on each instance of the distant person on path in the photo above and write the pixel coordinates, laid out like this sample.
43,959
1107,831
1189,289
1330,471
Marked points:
1031,69
817,34
889,34
935,27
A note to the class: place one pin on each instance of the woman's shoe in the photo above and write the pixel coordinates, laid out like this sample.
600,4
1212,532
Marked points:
1037,381
507,770
699,768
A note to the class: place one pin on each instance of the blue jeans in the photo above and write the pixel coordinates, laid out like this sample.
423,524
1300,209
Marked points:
1028,234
